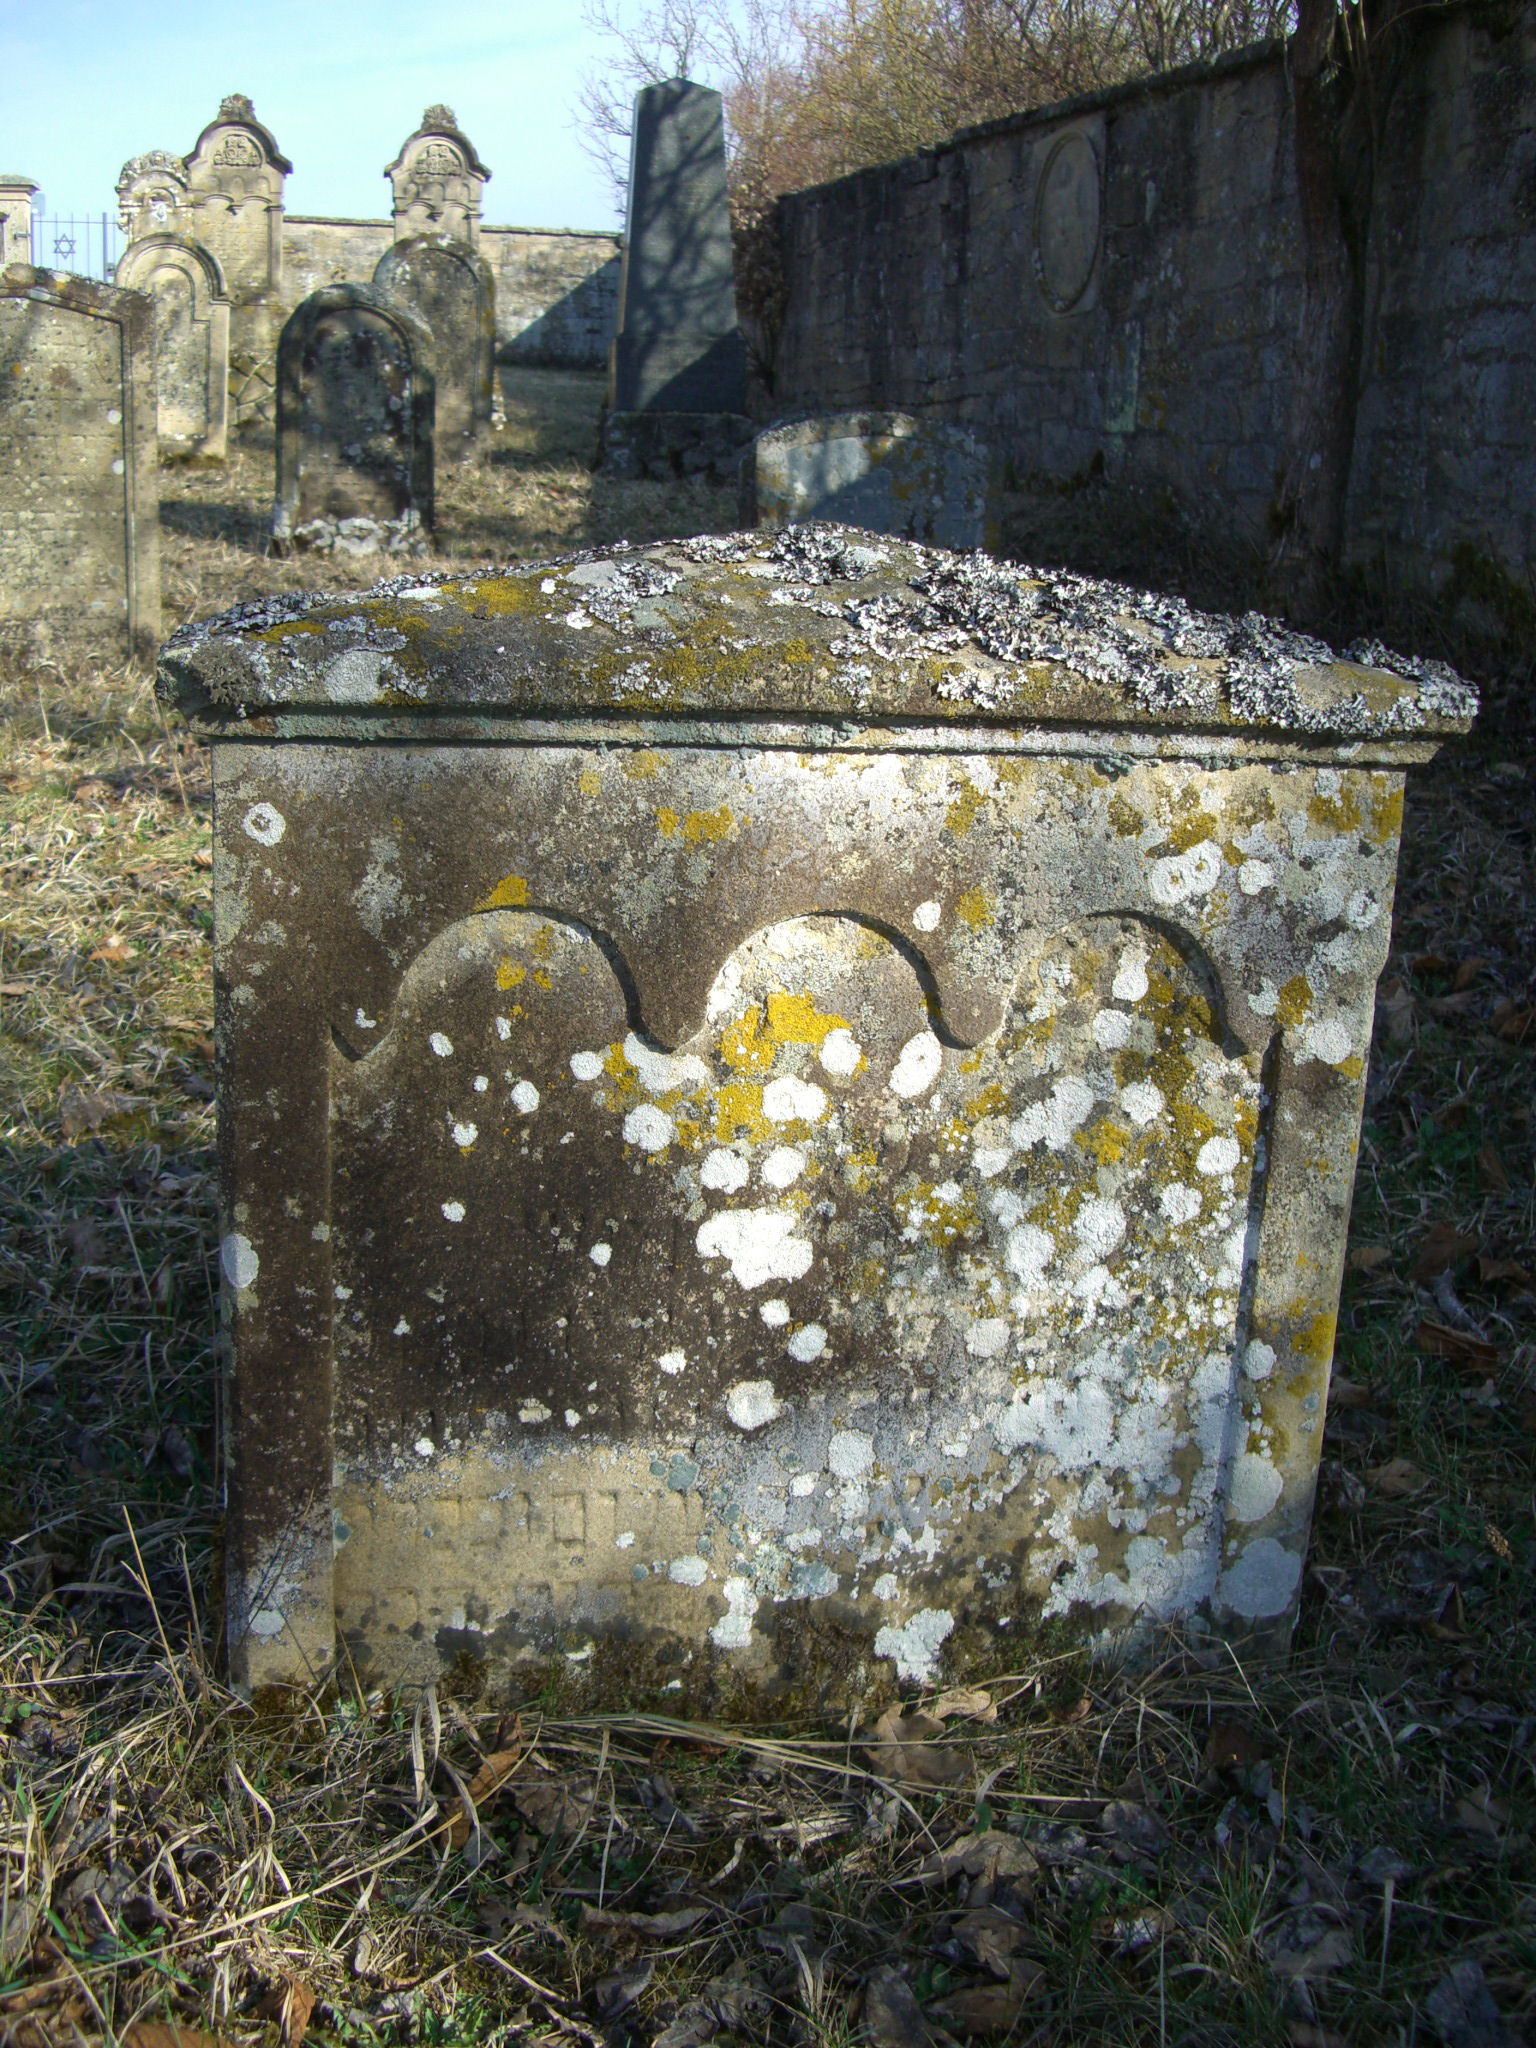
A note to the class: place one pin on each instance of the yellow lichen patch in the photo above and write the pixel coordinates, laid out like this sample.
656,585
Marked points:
940,1212
1386,809
667,822
1314,1338
618,1068
1125,817
867,1280
509,974
861,1170
795,1020
510,893
1245,1124
1191,825
543,942
739,1107
994,1100
702,826
961,815
974,908
1295,1002
1338,813
1106,1140
503,597
589,782
745,1046
641,766
542,978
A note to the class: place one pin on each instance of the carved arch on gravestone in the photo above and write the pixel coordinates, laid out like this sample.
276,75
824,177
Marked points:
235,175
414,355
151,193
191,303
452,287
437,181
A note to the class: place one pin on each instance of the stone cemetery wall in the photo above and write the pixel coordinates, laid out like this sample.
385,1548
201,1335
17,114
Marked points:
1112,289
191,345
450,288
787,1111
354,425
557,295
80,536
921,480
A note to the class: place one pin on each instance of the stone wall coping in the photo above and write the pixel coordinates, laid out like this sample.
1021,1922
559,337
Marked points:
815,626
386,226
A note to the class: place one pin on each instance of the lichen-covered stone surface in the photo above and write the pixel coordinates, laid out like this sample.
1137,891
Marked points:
79,499
788,1110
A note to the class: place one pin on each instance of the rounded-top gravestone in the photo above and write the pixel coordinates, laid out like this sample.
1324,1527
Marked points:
450,287
191,341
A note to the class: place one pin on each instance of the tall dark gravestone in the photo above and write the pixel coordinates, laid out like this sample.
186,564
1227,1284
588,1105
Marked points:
355,422
451,287
679,361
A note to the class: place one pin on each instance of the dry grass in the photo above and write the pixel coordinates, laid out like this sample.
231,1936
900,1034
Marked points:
1189,1854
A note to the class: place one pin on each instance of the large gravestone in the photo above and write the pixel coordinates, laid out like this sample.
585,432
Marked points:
679,361
79,502
355,406
191,341
450,287
234,202
437,181
787,1111
924,480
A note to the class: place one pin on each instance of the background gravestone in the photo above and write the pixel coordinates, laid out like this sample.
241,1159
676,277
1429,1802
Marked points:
355,412
437,180
678,374
888,472
152,196
450,286
191,341
80,531
17,196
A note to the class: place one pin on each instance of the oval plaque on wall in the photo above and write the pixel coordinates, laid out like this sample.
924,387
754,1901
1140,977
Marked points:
1067,221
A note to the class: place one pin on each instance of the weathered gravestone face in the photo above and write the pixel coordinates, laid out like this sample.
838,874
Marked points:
355,413
191,342
152,196
787,1110
678,348
437,181
79,503
235,177
889,472
452,291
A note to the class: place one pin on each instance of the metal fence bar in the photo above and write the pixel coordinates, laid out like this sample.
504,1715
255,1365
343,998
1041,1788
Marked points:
88,244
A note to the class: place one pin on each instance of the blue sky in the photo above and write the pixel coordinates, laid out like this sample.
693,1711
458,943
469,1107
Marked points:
85,84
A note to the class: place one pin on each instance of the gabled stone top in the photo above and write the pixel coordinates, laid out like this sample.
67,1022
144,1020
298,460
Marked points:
814,623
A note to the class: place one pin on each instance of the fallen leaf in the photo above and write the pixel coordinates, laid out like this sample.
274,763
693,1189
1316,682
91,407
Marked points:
989,2008
966,1703
1503,1272
1232,1746
1468,971
1462,2012
553,1808
990,1938
1458,1347
617,1992
16,988
1132,1934
1452,1006
904,1749
85,1245
992,1857
166,2034
1365,1258
1394,1006
1443,1248
483,1787
115,950
1479,1813
298,2003
1427,966
664,1926
202,857
1512,1022
1304,1947
1343,1393
81,1111
1136,1828
1490,1171
892,2016
1396,1479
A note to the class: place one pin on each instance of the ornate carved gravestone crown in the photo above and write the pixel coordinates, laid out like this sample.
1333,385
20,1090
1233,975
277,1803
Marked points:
788,1109
437,181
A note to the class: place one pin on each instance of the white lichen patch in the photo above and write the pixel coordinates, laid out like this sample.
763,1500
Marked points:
783,1167
775,1312
673,1362
925,918
733,1631
464,1135
841,1054
807,1344
753,1403
918,1066
441,1044
687,1571
265,824
915,1646
587,1066
238,1261
649,1127
760,1245
1256,1487
724,1170
600,1253
454,1211
525,1097
790,1100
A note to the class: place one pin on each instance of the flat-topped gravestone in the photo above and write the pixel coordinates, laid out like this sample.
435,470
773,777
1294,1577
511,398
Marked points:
678,350
17,196
788,1110
451,288
355,406
437,181
191,354
80,535
923,480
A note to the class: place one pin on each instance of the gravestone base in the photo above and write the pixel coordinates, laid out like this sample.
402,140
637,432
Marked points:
659,445
889,472
354,536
